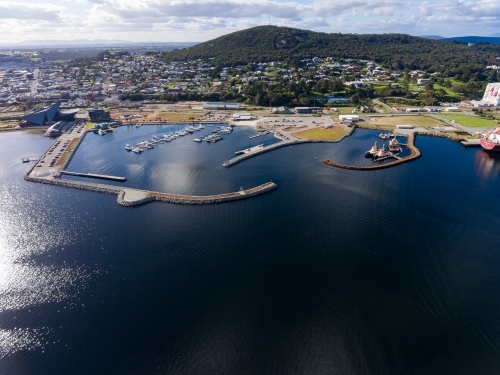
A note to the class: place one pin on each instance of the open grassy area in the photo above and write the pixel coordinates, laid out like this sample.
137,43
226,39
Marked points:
65,155
470,121
172,116
417,121
342,111
448,91
90,125
330,134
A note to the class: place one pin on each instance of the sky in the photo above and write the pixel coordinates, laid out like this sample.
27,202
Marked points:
201,20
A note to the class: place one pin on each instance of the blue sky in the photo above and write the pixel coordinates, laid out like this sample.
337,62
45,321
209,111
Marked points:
200,20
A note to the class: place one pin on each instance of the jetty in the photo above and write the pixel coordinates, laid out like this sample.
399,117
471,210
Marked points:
260,134
94,175
250,150
471,142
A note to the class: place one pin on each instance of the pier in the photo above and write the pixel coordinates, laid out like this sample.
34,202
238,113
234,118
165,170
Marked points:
259,135
94,175
471,142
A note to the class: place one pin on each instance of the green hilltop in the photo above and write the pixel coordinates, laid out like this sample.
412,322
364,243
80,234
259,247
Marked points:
396,51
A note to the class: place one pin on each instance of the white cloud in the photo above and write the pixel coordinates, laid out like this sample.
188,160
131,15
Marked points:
198,20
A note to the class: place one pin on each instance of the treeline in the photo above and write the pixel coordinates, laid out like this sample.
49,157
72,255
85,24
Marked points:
396,51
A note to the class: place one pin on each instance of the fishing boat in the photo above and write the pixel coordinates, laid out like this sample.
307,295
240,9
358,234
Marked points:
371,152
394,145
382,154
383,135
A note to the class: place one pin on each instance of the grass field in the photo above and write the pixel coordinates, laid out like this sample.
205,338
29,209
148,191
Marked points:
90,125
420,121
470,121
343,111
331,134
65,155
172,116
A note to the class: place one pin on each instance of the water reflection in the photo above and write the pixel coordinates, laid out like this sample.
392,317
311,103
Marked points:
487,165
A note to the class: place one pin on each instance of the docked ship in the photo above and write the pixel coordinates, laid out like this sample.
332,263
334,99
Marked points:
491,141
371,152
382,154
394,145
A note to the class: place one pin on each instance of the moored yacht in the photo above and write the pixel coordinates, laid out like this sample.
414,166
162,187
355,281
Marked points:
128,147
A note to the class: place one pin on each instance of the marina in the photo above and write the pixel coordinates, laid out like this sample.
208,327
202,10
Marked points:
127,196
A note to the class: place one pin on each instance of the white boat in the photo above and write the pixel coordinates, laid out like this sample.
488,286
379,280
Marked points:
197,140
137,150
128,147
101,132
372,152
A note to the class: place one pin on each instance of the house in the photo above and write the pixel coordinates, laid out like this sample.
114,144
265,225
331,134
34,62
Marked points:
423,81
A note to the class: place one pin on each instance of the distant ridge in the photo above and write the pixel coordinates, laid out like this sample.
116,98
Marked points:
82,42
273,43
435,37
474,39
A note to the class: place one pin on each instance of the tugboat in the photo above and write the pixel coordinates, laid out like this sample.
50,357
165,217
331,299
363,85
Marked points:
382,154
371,152
394,145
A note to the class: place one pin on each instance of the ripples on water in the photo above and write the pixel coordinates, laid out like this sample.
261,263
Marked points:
385,272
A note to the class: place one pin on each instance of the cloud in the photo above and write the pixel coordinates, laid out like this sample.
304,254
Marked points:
30,11
159,10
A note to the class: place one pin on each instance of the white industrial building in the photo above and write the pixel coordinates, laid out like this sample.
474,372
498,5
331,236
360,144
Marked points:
349,118
221,105
491,94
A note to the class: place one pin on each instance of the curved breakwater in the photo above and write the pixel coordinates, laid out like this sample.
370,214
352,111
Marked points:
414,154
129,197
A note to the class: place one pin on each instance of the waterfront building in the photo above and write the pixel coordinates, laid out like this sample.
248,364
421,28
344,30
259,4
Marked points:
98,115
48,115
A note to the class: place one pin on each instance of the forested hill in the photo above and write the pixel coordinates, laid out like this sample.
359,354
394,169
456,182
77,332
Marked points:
398,51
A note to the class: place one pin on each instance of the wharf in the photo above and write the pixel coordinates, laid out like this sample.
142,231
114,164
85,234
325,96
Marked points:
250,150
94,175
471,143
259,135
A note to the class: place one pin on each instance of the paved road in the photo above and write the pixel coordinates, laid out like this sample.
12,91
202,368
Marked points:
389,108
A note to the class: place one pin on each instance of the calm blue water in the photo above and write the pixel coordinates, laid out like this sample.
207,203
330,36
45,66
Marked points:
393,271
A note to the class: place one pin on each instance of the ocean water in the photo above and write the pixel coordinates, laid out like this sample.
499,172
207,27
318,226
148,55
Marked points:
393,271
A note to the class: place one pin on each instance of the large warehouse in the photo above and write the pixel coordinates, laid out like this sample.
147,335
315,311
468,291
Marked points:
492,94
221,105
